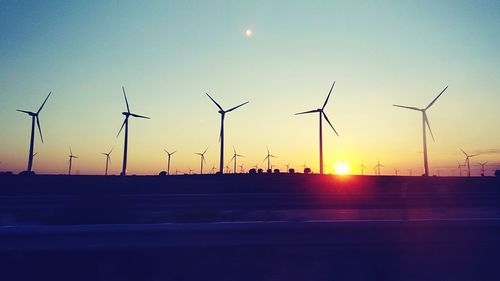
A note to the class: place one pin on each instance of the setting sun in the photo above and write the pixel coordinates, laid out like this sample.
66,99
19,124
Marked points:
342,168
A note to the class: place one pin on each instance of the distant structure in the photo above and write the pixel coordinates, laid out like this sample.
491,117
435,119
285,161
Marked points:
410,172
425,121
235,156
125,123
268,158
396,172
377,167
71,157
460,168
467,160
34,117
322,114
242,170
202,160
222,113
482,165
108,159
213,169
362,167
169,155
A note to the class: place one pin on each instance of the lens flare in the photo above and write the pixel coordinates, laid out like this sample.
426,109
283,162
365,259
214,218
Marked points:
342,168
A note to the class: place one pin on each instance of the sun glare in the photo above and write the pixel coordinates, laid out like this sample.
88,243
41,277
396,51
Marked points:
342,168
248,33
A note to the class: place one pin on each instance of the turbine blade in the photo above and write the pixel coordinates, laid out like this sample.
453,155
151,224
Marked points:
139,116
25,111
205,150
121,128
173,152
306,112
218,105
231,109
407,107
326,101
428,125
126,101
39,128
40,109
265,159
464,152
435,99
111,150
234,149
330,123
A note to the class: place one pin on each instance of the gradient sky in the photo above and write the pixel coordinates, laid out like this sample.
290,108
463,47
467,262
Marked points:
168,54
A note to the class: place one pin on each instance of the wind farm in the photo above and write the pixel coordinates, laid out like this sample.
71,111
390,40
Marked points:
267,140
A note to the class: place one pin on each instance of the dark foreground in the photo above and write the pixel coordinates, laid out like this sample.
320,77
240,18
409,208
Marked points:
258,227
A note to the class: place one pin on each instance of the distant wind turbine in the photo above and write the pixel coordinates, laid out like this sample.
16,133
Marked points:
242,170
34,117
467,160
125,123
213,169
362,167
222,113
460,167
71,156
202,160
482,167
169,155
425,121
322,114
268,158
108,159
235,156
377,167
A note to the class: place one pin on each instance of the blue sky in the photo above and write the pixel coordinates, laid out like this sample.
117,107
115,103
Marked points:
168,54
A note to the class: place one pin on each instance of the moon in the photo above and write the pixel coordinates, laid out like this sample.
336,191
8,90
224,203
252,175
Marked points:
248,33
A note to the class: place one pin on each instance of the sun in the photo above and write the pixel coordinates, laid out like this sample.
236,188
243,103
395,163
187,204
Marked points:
248,33
342,168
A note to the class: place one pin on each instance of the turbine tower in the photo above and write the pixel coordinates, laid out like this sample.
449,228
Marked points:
202,155
71,156
425,121
235,156
268,158
460,167
362,167
322,114
467,160
125,123
34,117
168,163
108,159
222,113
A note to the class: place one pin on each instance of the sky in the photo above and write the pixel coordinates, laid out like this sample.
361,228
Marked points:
168,54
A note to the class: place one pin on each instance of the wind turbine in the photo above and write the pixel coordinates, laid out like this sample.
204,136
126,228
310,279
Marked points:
460,167
467,160
377,167
425,121
482,167
34,117
213,169
322,114
242,170
396,172
169,155
125,123
202,155
268,158
362,167
71,156
222,113
108,159
235,156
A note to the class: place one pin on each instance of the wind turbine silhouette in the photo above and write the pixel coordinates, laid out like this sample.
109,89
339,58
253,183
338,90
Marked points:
202,155
377,167
362,167
268,158
169,155
482,167
108,159
125,123
34,117
242,170
460,167
322,114
467,160
235,156
425,121
222,113
71,156
213,169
